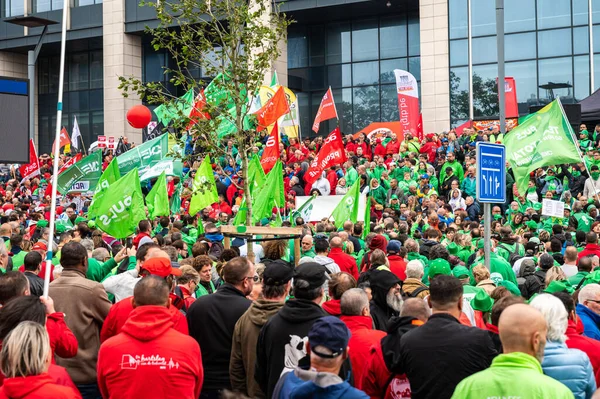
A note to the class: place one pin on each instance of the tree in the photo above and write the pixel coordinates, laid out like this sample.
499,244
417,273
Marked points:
236,42
485,98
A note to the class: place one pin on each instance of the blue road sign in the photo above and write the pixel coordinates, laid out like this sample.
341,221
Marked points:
491,173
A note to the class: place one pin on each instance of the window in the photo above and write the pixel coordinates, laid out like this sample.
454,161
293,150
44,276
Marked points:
79,71
525,74
46,5
581,66
555,70
338,43
365,44
552,43
414,36
519,15
581,40
484,50
580,12
457,13
339,75
365,73
297,47
317,46
81,3
393,38
11,8
483,18
386,73
519,46
459,93
459,52
553,14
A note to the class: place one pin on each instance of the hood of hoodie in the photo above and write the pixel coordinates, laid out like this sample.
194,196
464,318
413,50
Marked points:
318,385
381,281
22,387
508,240
261,310
298,311
333,307
355,323
397,327
146,323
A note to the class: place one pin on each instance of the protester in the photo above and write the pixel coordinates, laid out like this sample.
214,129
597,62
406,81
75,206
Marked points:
149,358
212,319
33,260
387,298
516,372
588,310
338,284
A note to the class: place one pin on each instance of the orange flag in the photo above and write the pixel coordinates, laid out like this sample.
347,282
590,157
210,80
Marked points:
64,139
274,109
270,154
326,110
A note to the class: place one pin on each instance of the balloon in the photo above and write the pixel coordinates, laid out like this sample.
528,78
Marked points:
139,116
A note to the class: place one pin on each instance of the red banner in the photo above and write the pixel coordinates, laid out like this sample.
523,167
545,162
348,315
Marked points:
420,135
198,112
326,110
270,154
33,167
70,163
64,140
408,102
101,141
332,153
510,99
274,109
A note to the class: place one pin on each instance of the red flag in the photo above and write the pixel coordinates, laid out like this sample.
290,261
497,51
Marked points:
274,109
197,112
332,153
70,163
270,154
64,140
33,167
460,129
420,127
408,101
326,110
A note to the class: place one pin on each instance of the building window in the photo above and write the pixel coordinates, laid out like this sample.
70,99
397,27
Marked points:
46,5
11,8
81,3
359,59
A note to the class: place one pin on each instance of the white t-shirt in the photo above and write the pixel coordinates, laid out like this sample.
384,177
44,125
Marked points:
570,270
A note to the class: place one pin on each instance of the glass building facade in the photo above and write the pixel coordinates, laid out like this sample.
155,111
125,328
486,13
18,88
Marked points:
83,96
547,41
357,59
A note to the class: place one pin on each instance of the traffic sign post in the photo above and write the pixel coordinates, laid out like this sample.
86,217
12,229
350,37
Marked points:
491,185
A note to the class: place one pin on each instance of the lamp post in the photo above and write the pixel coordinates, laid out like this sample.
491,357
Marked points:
32,55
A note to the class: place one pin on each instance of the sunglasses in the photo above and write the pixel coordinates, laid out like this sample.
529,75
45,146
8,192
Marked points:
254,278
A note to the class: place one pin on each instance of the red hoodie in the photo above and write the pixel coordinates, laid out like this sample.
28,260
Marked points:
588,345
62,340
590,249
333,307
150,359
120,312
363,338
36,387
138,238
346,262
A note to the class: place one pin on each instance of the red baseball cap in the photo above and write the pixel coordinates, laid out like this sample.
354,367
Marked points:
39,246
160,267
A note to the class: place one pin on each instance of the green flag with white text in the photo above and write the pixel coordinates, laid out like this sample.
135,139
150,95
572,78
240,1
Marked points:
544,139
180,107
204,188
347,209
143,156
304,211
157,199
122,207
110,175
83,174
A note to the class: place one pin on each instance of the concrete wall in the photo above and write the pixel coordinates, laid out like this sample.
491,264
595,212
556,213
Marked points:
435,71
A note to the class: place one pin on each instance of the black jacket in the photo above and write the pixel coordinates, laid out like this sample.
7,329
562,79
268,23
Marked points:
297,188
36,284
211,320
456,351
529,283
397,327
281,341
381,281
425,245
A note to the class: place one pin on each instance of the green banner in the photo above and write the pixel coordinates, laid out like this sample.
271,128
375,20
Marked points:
204,188
82,176
122,207
347,209
544,139
109,176
144,155
157,199
170,167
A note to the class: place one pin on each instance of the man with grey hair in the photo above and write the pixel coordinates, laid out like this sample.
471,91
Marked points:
356,315
413,286
101,254
588,310
97,269
4,258
557,356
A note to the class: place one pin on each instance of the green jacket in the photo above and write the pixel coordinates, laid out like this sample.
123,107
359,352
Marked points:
512,375
351,176
469,186
499,265
19,259
201,291
97,270
504,250
576,279
456,167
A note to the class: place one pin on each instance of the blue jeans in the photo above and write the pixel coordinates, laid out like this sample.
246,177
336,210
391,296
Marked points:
89,391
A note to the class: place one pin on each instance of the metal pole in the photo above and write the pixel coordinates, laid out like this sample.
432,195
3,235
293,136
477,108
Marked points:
470,59
31,77
501,74
591,36
487,233
59,105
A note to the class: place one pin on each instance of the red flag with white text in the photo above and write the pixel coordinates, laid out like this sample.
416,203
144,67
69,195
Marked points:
70,163
33,167
197,113
332,153
270,154
408,102
326,110
63,140
460,129
274,109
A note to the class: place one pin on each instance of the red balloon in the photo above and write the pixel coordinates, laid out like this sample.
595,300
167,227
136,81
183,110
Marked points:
139,116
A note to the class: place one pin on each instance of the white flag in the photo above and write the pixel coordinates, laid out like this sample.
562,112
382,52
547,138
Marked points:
76,135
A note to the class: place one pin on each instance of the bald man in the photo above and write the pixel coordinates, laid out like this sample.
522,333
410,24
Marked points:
5,232
346,262
517,372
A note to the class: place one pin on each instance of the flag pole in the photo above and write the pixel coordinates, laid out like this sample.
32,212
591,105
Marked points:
572,133
56,149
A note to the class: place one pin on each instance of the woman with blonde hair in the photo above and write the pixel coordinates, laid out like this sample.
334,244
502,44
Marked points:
482,279
24,360
555,273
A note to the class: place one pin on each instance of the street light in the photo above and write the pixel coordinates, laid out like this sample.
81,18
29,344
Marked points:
32,55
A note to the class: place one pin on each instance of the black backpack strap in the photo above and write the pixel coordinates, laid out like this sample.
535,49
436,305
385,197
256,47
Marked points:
416,292
580,283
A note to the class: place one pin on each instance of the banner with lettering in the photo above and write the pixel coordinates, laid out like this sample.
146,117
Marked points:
31,169
332,153
144,155
408,102
83,176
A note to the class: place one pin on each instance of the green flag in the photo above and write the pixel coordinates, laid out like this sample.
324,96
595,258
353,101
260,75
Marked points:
157,199
176,198
204,188
143,156
109,176
304,211
270,195
180,107
347,209
256,174
122,207
274,79
170,167
83,176
367,226
544,139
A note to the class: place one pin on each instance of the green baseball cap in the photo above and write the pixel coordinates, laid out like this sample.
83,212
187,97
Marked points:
481,244
42,223
394,197
509,285
482,301
439,266
532,225
537,206
559,286
460,272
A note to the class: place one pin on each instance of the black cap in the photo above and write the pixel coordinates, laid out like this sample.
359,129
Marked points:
330,332
278,272
312,272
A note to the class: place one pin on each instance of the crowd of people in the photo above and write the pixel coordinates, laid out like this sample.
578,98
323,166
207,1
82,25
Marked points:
400,307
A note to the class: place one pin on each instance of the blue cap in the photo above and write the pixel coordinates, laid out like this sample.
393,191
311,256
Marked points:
330,332
444,140
394,246
425,176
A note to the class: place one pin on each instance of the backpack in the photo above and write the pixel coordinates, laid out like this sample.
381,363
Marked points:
415,293
215,250
513,256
